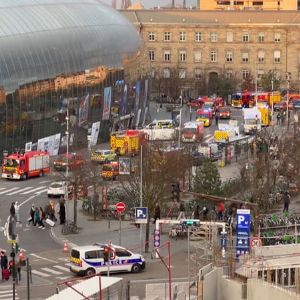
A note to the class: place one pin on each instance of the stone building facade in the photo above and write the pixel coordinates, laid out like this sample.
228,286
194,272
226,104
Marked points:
200,44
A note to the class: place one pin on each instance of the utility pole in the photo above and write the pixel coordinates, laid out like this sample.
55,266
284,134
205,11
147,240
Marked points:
256,82
180,119
272,111
141,197
288,78
67,166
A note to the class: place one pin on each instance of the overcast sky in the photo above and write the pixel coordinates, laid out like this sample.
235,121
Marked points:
152,3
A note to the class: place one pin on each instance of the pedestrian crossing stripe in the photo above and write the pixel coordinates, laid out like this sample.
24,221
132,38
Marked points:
7,294
23,190
52,271
38,273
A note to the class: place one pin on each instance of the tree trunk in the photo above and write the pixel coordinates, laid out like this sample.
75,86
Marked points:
147,237
75,208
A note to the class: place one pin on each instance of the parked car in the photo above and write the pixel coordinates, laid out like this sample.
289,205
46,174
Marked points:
225,112
198,158
74,161
57,189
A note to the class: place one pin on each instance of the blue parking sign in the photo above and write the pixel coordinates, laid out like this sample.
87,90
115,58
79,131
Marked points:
242,231
141,215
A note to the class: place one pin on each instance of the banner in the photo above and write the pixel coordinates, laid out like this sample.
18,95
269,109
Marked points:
95,133
145,116
83,110
107,103
49,144
137,95
124,165
123,106
138,118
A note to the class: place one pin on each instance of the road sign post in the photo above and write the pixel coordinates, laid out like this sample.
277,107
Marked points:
120,207
141,215
242,231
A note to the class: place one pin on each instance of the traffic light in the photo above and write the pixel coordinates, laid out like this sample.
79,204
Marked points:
176,192
17,248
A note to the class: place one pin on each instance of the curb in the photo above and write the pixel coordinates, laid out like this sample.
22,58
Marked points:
61,240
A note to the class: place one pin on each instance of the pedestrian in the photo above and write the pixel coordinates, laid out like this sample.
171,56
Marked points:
156,212
4,263
197,212
31,214
12,210
217,117
286,201
220,210
36,217
181,211
42,217
17,212
62,212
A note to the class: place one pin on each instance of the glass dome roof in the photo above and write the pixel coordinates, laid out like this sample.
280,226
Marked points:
44,38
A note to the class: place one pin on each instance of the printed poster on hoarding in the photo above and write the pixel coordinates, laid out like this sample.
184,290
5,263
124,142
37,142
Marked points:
123,105
124,165
107,103
138,118
95,133
83,110
137,94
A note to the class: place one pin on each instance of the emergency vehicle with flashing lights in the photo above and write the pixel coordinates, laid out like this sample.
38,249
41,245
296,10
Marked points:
97,258
24,165
192,131
204,116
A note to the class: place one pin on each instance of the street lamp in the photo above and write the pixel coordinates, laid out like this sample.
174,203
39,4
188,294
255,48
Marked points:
288,78
272,86
67,165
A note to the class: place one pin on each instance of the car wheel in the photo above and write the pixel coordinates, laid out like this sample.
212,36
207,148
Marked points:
136,268
90,272
24,176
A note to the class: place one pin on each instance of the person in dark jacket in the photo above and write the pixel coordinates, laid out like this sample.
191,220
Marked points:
31,213
12,210
4,262
156,212
197,212
62,212
286,201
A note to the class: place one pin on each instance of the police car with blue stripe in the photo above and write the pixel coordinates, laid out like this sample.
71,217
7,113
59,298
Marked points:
101,258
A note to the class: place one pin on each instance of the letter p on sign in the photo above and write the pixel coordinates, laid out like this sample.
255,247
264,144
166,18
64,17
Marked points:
241,219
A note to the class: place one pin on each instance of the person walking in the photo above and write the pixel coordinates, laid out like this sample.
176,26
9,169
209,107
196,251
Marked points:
62,213
197,212
12,210
156,212
286,201
36,217
42,216
31,214
4,263
217,117
17,212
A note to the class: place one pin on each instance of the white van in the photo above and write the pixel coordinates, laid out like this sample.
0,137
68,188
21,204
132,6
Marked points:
161,130
90,260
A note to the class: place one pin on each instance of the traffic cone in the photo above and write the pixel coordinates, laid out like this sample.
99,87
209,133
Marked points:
65,247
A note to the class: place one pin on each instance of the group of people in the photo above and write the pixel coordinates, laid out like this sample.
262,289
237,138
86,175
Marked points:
38,216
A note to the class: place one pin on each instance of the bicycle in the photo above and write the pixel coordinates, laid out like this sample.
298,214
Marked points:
69,228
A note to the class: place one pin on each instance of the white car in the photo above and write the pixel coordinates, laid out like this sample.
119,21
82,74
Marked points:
57,189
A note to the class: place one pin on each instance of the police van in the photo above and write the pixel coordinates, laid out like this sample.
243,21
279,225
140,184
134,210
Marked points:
101,258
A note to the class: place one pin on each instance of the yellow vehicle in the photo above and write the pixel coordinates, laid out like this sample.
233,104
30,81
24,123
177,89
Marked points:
110,171
265,116
128,142
103,156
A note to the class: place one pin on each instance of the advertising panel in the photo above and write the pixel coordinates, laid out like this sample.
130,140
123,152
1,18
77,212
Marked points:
83,110
107,103
124,165
95,133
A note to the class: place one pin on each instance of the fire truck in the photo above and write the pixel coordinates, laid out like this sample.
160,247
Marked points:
127,142
24,165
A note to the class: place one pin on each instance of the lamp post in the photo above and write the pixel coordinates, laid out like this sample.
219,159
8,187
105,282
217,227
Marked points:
288,78
272,111
256,82
67,165
141,197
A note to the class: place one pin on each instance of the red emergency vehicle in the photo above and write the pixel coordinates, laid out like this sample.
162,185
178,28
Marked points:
192,131
25,165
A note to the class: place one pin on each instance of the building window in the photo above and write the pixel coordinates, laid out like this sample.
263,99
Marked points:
167,36
229,56
153,73
245,57
167,55
197,56
182,55
213,37
166,73
258,3
245,38
261,56
198,36
182,73
261,37
228,74
198,74
245,73
151,55
182,36
277,37
277,55
260,74
213,56
229,37
151,36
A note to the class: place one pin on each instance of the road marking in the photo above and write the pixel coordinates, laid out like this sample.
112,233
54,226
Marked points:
45,181
2,189
40,273
9,190
51,271
61,268
42,191
25,201
2,292
44,258
36,189
18,191
63,277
